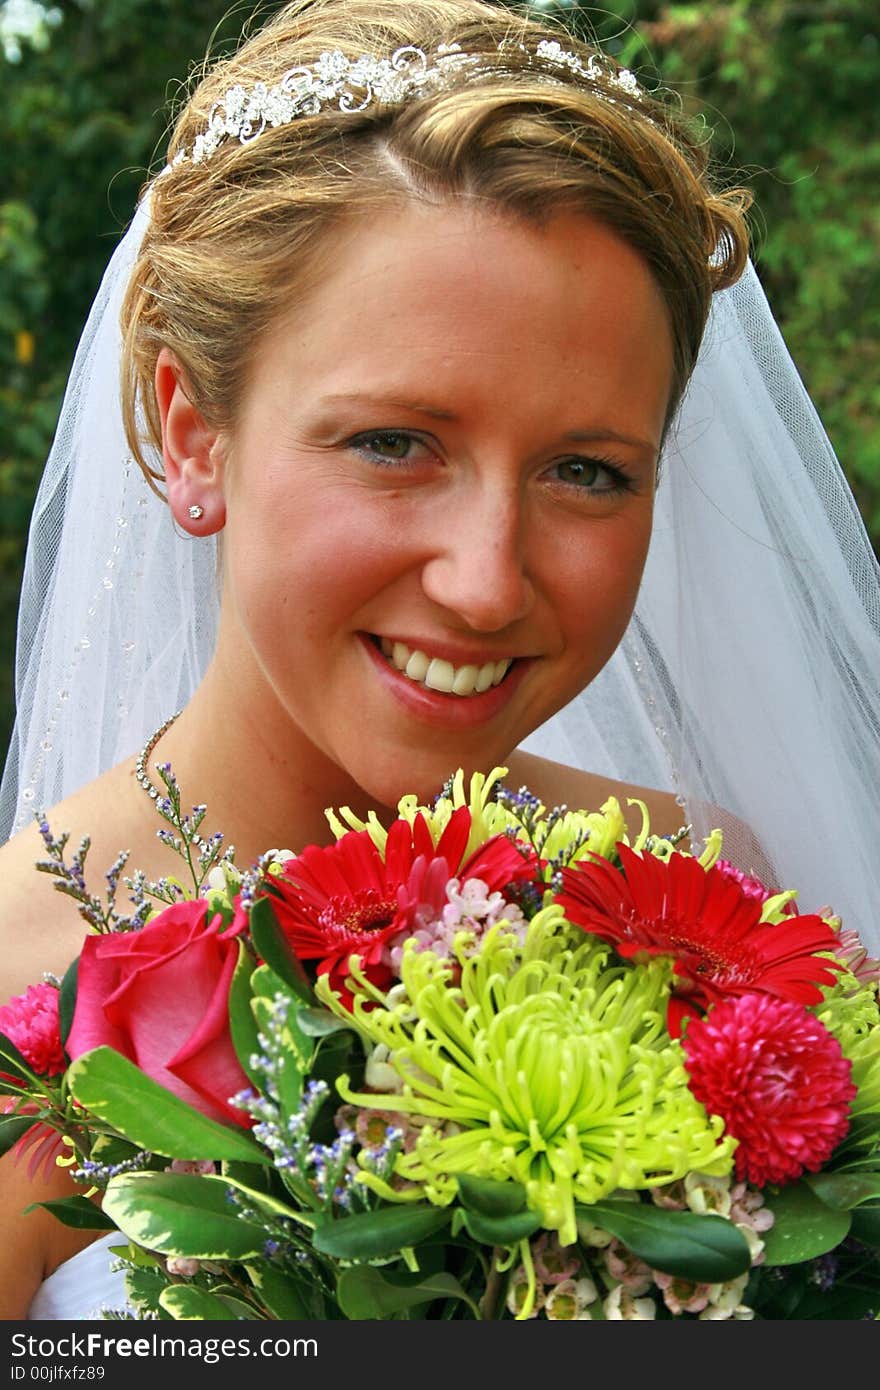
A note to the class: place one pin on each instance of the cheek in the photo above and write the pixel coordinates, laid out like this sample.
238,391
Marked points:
308,555
597,582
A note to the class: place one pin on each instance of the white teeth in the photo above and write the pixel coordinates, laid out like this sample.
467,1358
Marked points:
417,666
439,674
465,680
484,677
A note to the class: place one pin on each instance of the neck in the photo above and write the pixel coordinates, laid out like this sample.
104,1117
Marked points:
263,785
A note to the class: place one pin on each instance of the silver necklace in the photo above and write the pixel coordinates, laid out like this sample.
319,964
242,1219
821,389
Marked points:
140,767
140,771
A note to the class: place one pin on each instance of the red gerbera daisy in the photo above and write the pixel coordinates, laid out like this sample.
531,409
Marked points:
777,1078
346,899
706,922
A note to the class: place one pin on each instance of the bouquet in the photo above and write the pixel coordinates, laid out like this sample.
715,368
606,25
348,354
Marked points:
492,1062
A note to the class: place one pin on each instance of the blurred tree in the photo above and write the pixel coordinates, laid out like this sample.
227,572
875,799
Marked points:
88,85
785,88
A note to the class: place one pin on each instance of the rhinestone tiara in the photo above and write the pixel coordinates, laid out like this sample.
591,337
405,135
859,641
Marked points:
351,86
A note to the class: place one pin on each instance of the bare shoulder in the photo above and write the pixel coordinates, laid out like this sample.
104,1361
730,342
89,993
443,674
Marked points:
40,928
556,785
34,1242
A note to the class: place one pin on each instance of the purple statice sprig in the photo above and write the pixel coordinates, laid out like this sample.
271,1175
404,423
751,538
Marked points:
199,855
102,916
538,825
285,1243
99,1174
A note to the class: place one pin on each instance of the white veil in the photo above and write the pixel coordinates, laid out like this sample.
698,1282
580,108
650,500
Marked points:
748,680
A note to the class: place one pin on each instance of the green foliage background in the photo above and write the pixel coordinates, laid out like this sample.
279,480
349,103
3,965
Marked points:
786,89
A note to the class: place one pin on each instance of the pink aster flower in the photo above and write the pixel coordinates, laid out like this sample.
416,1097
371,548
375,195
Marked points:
30,1022
777,1078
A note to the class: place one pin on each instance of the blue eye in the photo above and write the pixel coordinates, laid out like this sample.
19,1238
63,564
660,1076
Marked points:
592,475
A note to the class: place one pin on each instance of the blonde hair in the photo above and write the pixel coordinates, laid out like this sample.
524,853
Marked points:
232,240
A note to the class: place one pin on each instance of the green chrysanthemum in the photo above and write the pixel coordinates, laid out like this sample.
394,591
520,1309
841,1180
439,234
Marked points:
573,835
546,1063
851,1014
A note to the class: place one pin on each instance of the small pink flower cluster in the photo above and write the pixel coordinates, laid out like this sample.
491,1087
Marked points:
564,1291
470,906
632,1290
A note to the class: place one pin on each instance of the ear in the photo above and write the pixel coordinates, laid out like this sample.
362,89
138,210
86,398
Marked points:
192,453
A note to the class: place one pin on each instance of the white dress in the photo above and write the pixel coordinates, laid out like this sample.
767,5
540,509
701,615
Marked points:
83,1286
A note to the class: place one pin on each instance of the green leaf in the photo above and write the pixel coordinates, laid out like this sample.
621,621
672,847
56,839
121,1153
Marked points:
186,1303
67,999
77,1212
144,1287
281,1294
708,1249
182,1214
862,1134
120,1094
254,1176
242,1025
274,948
844,1190
12,1127
866,1225
803,1226
501,1230
319,1023
840,1303
293,1058
491,1197
372,1293
11,1061
372,1235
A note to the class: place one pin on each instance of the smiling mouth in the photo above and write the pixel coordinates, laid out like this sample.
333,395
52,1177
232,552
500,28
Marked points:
435,673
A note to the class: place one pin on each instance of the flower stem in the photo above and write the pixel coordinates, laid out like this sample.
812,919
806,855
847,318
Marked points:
491,1303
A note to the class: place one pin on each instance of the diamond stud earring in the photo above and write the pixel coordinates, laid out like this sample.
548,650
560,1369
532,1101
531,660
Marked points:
196,512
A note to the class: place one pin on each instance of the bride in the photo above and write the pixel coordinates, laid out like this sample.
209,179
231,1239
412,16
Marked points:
480,448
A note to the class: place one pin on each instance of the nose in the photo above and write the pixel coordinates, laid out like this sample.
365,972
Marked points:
477,569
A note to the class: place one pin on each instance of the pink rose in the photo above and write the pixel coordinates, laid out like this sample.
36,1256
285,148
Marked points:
160,996
30,1022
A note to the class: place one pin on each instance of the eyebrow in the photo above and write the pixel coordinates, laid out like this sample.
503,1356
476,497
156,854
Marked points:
592,436
393,402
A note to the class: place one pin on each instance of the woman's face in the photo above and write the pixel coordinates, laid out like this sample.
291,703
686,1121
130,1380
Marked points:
444,462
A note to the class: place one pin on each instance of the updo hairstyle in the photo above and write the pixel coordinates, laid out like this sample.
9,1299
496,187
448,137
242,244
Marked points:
233,240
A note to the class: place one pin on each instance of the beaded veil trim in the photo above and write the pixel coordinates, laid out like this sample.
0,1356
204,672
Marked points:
350,86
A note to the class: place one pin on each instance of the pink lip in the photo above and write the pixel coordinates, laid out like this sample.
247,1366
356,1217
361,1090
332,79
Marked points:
435,707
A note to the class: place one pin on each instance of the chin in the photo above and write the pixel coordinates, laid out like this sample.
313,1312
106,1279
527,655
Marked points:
421,774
